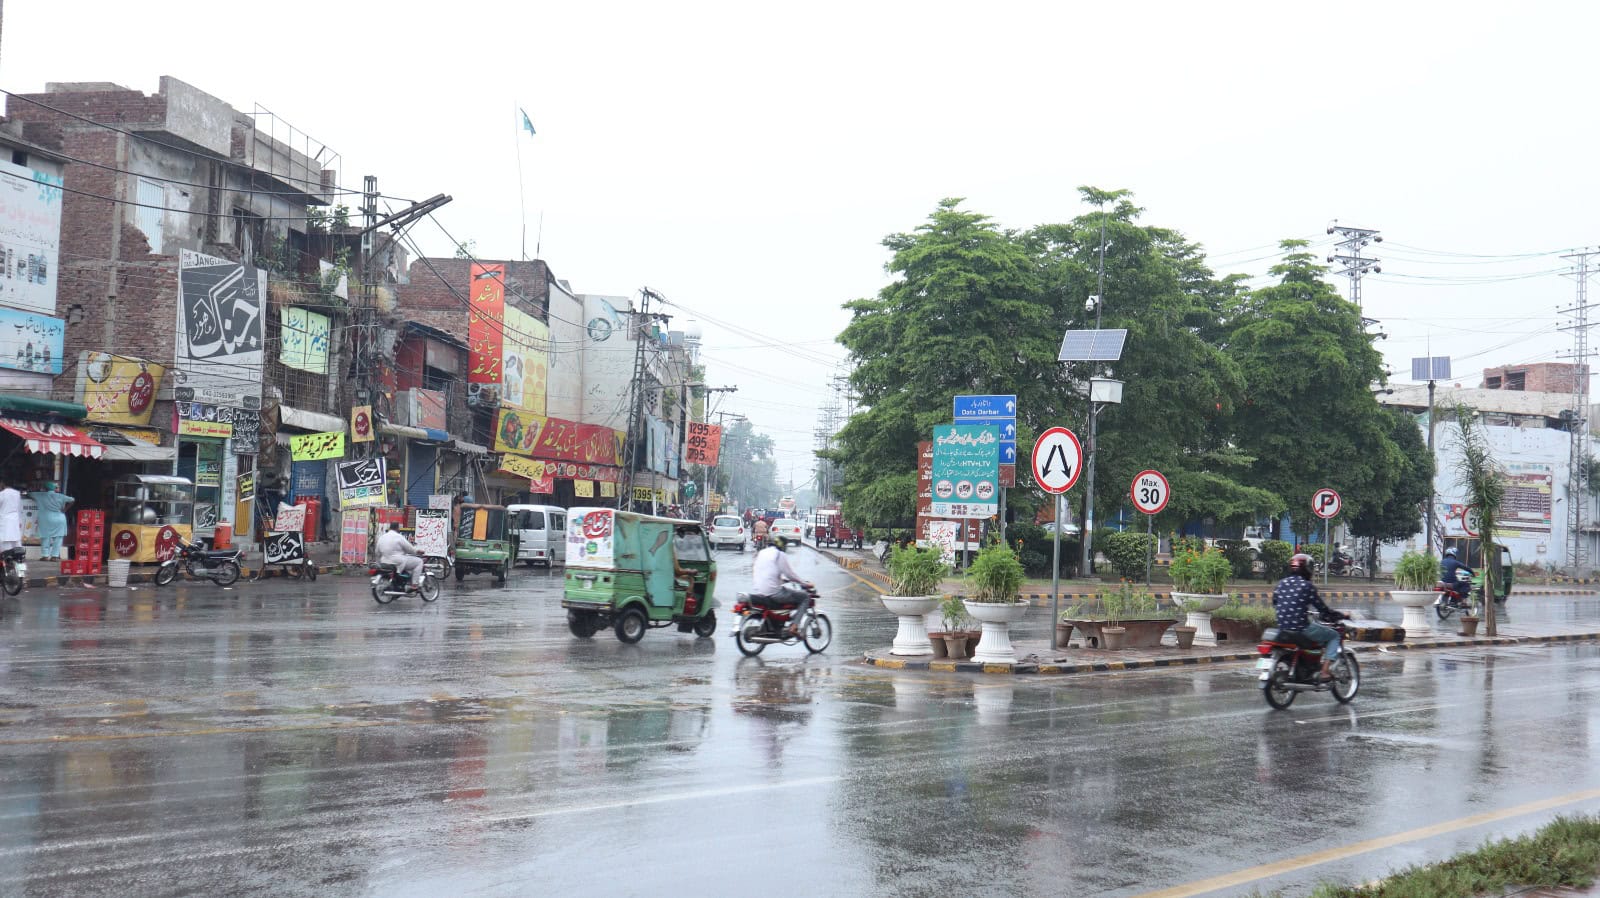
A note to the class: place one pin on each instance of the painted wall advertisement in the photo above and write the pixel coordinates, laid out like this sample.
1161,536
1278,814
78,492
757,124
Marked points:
524,362
30,239
31,342
1528,503
304,339
486,293
221,329
118,389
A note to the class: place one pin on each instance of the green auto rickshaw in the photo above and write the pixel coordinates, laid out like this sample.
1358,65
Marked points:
482,545
632,572
1470,550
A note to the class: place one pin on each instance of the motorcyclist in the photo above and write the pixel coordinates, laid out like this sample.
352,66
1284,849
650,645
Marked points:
395,549
759,528
1292,598
773,587
1450,574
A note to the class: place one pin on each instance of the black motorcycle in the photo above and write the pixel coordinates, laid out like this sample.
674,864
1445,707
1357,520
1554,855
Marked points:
220,566
1291,664
389,584
1343,564
13,570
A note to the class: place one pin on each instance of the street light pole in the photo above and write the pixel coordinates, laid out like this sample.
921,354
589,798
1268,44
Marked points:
1103,391
1086,526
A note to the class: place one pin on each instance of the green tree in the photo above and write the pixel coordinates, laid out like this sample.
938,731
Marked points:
1180,386
1306,413
1399,515
747,472
1482,479
963,315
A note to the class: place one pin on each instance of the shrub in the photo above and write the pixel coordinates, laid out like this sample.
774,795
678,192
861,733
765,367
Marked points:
996,576
1034,564
1034,545
1416,571
1182,544
1275,555
1240,555
1317,551
1201,572
954,614
1128,552
916,572
1236,609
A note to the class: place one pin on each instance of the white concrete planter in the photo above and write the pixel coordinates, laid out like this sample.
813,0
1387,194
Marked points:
996,647
1415,604
912,637
1200,619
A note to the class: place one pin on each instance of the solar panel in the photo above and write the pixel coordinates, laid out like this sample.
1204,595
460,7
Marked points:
1092,346
1430,368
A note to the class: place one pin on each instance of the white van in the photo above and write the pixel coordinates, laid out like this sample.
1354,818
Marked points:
540,532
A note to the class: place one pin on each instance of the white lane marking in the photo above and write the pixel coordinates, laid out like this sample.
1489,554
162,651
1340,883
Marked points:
670,797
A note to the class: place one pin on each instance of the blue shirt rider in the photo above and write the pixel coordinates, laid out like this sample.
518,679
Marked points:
1448,575
1293,597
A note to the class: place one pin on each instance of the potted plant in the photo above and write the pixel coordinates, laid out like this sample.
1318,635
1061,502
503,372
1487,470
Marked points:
1198,579
1116,605
954,614
1183,632
1414,576
1236,622
915,574
1469,625
1136,615
995,579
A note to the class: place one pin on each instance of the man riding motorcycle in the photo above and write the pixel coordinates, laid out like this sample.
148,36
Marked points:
394,548
772,570
1292,597
1450,570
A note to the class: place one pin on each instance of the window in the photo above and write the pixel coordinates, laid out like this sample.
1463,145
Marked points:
148,216
1516,380
249,231
18,157
1492,383
533,520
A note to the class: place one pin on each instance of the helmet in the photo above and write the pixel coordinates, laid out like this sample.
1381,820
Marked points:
781,541
1300,564
1450,552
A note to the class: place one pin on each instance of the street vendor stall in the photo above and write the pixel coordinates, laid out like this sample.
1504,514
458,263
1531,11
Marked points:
150,511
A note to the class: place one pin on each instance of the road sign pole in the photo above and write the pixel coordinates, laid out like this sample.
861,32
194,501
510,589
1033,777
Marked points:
1150,547
1055,581
1327,549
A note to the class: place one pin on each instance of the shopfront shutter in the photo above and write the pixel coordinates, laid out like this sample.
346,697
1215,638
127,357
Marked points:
420,474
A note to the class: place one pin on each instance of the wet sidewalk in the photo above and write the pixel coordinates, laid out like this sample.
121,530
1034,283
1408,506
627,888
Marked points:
42,574
1035,656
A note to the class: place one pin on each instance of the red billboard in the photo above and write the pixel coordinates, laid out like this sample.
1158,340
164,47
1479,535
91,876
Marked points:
486,323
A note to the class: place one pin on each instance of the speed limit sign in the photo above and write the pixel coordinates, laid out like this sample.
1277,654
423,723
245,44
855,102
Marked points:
1150,492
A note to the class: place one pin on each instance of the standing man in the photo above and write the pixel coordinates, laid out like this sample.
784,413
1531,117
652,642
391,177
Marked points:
52,519
10,515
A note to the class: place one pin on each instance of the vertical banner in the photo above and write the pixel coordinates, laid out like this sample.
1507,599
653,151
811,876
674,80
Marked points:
354,528
219,348
486,324
432,535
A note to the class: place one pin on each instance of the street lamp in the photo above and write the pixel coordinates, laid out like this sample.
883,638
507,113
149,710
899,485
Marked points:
1103,391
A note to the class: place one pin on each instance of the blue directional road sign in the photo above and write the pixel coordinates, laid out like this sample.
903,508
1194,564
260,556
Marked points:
1000,411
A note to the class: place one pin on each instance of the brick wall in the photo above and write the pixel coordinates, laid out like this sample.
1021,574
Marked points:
1545,377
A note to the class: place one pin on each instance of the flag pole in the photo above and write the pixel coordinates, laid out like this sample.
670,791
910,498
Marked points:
522,200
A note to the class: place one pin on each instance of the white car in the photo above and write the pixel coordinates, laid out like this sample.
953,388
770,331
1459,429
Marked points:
788,528
727,530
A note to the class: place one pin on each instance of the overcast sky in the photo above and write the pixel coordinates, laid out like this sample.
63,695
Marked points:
745,159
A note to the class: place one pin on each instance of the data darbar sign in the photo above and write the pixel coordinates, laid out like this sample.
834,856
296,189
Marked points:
966,470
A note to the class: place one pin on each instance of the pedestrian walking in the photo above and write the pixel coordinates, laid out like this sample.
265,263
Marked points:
10,515
52,505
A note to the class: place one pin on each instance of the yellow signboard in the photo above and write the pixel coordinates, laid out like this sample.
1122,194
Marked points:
317,446
516,431
522,467
608,490
118,389
583,489
204,428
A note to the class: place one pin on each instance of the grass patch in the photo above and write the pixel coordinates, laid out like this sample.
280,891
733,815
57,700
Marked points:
1565,852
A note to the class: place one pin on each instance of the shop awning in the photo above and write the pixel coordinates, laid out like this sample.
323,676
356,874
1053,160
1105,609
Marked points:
315,422
53,439
33,405
401,430
470,448
124,446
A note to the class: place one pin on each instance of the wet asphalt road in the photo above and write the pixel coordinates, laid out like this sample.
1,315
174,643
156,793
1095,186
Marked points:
289,739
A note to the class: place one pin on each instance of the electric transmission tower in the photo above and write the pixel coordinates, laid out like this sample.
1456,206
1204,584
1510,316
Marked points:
1347,252
1578,463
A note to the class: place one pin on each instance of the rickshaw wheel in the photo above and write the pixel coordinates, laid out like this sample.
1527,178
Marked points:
707,625
460,574
582,625
500,572
630,626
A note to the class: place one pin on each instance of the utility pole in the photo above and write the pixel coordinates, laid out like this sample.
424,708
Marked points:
638,324
1348,254
1086,522
1578,467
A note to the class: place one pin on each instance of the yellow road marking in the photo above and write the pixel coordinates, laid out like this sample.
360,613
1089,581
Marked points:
1289,865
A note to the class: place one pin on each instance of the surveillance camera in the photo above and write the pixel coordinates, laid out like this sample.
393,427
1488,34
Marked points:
1377,269
1378,239
1330,230
1090,303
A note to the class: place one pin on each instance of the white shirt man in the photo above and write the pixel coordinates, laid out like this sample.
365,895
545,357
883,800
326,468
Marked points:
772,569
10,518
395,549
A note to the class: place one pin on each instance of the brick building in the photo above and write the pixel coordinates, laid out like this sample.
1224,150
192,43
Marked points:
1543,377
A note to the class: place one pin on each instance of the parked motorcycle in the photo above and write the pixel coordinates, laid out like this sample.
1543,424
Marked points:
220,566
13,570
1291,664
1456,596
757,627
389,584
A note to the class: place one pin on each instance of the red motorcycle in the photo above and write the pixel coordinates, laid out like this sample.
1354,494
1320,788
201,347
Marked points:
1291,664
758,626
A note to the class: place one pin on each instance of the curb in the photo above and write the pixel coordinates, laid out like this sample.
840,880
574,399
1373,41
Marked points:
103,580
1057,668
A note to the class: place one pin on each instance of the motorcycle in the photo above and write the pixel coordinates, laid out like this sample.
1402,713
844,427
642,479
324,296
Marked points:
13,570
1344,564
1291,663
389,584
1456,596
220,566
757,627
